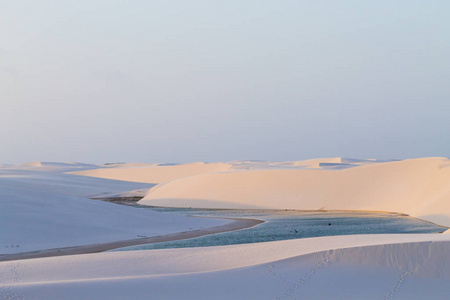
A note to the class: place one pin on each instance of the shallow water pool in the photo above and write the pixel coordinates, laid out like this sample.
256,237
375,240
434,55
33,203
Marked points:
292,224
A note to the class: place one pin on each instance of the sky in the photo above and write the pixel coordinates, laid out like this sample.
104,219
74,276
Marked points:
181,81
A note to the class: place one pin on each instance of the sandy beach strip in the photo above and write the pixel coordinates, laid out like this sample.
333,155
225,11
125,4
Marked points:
237,224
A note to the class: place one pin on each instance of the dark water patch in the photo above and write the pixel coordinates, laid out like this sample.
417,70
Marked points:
129,201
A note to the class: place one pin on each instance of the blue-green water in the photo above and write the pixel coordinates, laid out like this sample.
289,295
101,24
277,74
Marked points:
286,225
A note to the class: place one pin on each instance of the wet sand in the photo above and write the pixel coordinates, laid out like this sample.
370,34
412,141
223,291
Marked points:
237,224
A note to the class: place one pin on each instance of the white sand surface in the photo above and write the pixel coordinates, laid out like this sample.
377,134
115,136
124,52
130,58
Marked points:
41,208
339,267
418,187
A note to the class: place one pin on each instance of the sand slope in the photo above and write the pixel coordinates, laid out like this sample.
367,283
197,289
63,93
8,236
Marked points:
419,187
41,209
345,267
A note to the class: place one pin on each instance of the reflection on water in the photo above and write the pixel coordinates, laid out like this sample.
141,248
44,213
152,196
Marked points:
286,225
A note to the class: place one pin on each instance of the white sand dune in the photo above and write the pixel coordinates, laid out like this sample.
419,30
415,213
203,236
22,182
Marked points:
126,165
154,174
418,187
160,173
340,267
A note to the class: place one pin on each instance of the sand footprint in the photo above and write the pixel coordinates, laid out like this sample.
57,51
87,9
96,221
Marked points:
405,275
6,293
291,287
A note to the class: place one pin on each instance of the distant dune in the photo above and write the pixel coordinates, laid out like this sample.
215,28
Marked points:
161,173
54,166
155,173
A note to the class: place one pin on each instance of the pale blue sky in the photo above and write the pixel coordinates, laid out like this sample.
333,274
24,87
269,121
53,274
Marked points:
179,81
